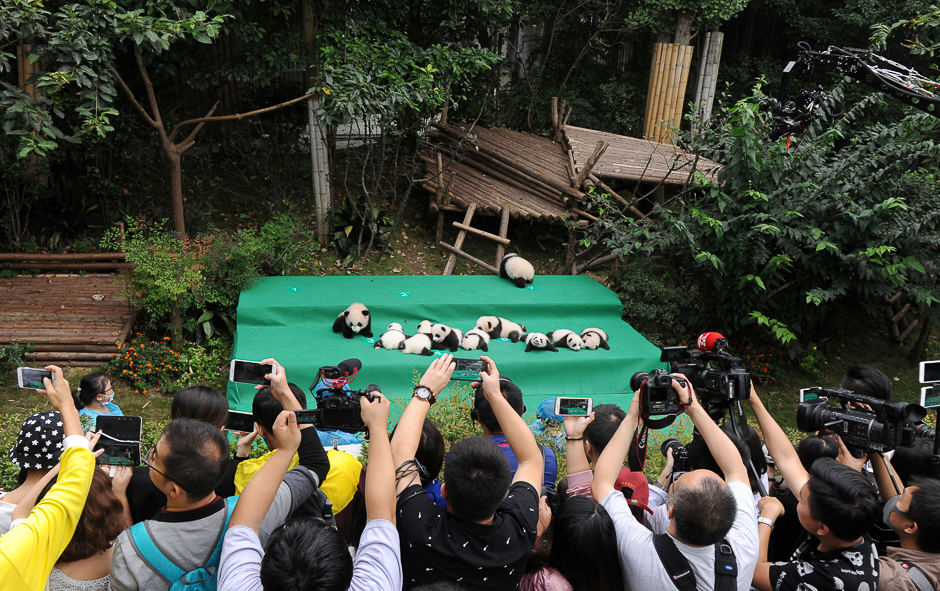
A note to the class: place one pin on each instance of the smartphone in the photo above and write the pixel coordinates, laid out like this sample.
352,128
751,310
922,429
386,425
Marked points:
929,372
573,407
468,369
307,416
28,377
120,440
250,372
240,421
930,397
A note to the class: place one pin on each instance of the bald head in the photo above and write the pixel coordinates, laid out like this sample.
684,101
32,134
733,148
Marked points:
702,508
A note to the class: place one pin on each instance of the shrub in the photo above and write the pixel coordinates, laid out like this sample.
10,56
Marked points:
148,364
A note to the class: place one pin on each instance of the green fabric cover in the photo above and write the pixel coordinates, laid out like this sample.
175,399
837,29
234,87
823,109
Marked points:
291,319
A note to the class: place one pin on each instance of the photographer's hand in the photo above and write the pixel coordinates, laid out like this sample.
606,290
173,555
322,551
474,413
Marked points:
608,465
243,445
60,396
279,387
781,450
846,458
375,413
438,374
663,479
287,432
769,508
574,436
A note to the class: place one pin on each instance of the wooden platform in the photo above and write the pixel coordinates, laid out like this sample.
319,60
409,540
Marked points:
634,159
69,319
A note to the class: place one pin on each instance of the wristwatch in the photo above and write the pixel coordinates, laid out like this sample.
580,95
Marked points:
766,521
424,393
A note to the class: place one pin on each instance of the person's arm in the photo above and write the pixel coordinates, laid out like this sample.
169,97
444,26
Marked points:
28,501
517,433
404,444
884,472
122,478
256,499
380,477
279,388
770,508
608,465
574,448
668,467
781,450
719,444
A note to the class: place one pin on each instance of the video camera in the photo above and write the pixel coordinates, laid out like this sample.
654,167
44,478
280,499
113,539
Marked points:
718,378
886,426
338,409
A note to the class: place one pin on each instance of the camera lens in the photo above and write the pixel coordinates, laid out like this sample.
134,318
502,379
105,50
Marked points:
671,443
637,380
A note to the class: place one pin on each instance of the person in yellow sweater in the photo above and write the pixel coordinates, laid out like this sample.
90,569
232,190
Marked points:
30,549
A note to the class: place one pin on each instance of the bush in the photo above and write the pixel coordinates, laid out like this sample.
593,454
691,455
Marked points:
148,364
654,302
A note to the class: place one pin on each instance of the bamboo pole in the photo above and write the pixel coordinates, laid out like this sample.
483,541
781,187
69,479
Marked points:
483,233
683,83
651,91
458,244
503,232
457,252
92,256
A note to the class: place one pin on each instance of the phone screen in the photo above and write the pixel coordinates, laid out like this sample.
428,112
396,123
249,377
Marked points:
249,372
573,407
307,416
240,421
468,369
32,378
120,440
929,372
930,397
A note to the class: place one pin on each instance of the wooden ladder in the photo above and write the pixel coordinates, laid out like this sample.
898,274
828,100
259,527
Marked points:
899,324
501,241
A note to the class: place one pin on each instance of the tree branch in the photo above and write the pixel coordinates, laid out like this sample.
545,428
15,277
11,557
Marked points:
151,96
133,99
238,115
192,135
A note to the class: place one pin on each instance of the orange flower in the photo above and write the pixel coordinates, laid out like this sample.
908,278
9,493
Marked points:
166,338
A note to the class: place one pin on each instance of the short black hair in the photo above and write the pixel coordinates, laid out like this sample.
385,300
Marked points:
431,451
584,546
265,407
701,458
925,511
477,477
842,498
867,381
599,432
303,554
703,514
511,392
813,447
197,457
201,403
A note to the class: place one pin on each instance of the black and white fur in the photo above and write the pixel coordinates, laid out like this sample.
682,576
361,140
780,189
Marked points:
566,338
500,328
445,337
426,327
393,338
419,344
475,339
490,325
594,338
536,341
516,269
354,320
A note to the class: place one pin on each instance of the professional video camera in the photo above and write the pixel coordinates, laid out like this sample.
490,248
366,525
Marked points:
338,409
657,396
718,378
886,426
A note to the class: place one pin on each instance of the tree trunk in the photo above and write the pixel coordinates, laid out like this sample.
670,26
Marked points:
683,28
176,189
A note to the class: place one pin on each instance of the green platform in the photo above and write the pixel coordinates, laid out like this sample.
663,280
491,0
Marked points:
291,318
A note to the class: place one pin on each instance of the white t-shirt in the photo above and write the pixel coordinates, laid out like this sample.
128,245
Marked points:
642,566
6,514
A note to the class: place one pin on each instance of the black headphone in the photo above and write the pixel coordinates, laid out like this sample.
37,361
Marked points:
478,396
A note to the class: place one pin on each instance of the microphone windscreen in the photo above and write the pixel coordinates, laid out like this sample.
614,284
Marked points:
706,341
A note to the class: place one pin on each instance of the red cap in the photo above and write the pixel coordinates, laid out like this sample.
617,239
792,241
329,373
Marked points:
635,487
706,341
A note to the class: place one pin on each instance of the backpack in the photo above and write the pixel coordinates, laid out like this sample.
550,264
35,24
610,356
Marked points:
200,579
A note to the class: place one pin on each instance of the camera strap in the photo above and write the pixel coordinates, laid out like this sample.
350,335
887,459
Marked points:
680,571
917,576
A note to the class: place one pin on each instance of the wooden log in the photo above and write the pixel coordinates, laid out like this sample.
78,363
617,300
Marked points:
482,233
583,214
455,252
92,256
74,349
892,299
534,187
446,192
66,266
64,355
458,244
439,234
907,331
639,215
503,232
903,311
596,263
599,150
440,185
125,330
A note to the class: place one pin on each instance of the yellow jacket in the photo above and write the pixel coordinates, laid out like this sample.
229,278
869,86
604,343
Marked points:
340,484
30,550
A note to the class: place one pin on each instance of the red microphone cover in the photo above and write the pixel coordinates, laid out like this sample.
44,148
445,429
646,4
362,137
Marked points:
706,341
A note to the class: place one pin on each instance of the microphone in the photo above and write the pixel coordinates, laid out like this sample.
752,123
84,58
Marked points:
708,342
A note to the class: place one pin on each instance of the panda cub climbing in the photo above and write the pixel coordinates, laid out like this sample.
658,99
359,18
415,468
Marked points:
354,320
566,338
516,269
594,338
536,341
393,338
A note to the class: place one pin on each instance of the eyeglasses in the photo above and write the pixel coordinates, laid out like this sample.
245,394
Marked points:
148,457
673,478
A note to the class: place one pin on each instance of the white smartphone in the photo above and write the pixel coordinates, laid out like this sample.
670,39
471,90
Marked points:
929,372
250,372
243,422
930,397
29,377
573,407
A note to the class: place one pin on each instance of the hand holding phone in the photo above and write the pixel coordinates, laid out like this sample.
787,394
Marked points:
243,422
574,407
468,369
31,378
250,372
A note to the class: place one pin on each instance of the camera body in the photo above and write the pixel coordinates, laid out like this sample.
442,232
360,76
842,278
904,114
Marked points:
658,397
886,426
338,409
680,454
718,378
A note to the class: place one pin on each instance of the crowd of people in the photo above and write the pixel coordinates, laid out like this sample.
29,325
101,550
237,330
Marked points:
488,514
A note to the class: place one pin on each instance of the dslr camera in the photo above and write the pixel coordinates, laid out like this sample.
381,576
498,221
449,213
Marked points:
657,396
338,409
680,455
718,378
887,426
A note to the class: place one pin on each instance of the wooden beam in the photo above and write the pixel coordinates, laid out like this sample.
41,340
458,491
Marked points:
457,252
458,244
599,150
483,233
503,231
907,331
67,266
92,256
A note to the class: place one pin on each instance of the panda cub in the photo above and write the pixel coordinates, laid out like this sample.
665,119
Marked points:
594,338
393,338
419,344
566,338
516,269
426,327
536,341
445,337
354,320
475,339
500,328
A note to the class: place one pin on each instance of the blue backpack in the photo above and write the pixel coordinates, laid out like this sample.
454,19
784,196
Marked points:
201,579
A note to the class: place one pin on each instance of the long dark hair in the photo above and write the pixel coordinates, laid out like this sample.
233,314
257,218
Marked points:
100,523
584,546
201,403
91,385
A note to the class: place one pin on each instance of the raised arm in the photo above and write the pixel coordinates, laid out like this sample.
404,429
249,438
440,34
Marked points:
608,465
380,476
404,444
781,450
518,435
259,493
574,450
279,388
722,448
888,481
